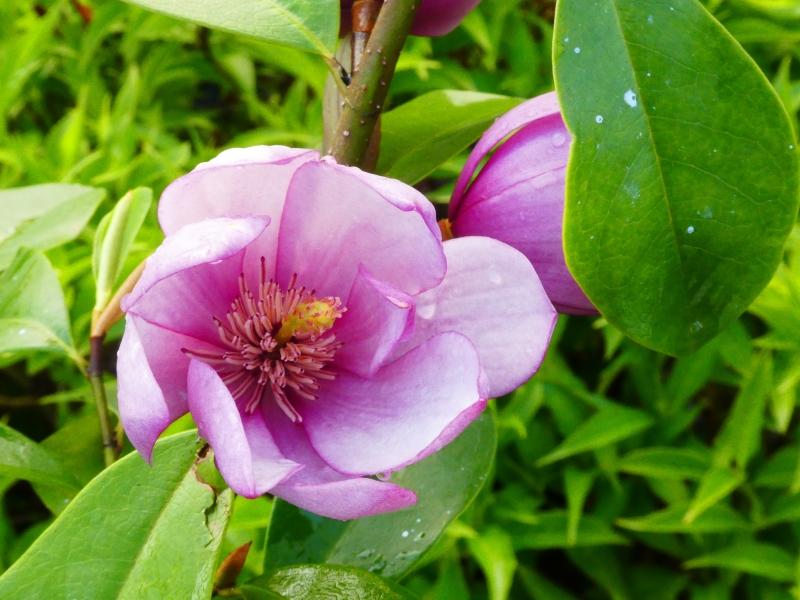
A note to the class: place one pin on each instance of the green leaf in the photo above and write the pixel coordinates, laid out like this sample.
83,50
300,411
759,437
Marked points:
609,425
577,486
664,229
717,519
445,484
754,558
551,532
715,485
44,216
494,553
136,531
666,463
310,25
310,582
420,135
32,310
22,458
113,240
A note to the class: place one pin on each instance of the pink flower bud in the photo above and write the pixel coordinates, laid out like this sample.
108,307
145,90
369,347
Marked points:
518,195
434,17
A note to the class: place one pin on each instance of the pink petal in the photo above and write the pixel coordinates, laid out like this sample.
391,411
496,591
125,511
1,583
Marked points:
377,317
322,490
335,220
438,17
151,380
492,295
407,410
193,276
244,450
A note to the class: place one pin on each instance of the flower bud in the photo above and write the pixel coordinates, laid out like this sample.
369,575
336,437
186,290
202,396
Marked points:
434,17
518,195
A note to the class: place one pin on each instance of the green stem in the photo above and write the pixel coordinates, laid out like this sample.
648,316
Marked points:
366,93
99,391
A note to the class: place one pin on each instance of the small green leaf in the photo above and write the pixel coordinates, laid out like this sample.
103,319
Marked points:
390,544
715,485
754,558
32,310
717,519
312,582
310,25
577,485
420,135
551,532
44,216
609,425
667,233
22,458
113,240
494,553
136,531
666,463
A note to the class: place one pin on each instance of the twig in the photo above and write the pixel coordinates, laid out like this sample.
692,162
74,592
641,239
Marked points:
99,392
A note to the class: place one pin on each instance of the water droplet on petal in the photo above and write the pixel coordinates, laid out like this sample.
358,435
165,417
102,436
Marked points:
558,139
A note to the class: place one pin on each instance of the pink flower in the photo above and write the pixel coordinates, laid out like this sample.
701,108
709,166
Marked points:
518,196
311,320
434,17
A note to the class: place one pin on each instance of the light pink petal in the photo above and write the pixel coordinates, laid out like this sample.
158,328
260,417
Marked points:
335,220
438,17
322,490
151,380
244,450
518,198
377,317
407,410
540,107
193,276
492,295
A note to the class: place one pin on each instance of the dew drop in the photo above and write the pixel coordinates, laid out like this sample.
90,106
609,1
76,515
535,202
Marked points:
558,139
404,534
599,119
690,229
630,99
650,19
346,133
577,50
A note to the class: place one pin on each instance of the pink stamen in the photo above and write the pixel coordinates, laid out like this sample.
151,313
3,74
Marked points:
256,362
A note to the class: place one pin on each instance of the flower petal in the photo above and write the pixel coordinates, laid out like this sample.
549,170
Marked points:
335,220
151,380
377,317
438,17
193,276
492,295
540,107
244,450
407,410
322,490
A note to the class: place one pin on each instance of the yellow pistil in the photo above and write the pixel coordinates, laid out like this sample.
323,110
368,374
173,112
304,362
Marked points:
309,319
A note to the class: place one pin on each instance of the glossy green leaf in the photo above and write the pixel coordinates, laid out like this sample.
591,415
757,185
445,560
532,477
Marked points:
445,484
495,555
22,458
755,558
312,582
609,425
32,310
136,531
683,181
423,133
311,25
666,463
113,241
43,216
717,519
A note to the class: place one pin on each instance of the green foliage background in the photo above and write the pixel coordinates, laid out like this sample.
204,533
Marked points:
620,473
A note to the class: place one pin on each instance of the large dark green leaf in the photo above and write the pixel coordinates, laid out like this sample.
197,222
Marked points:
683,181
311,25
43,216
390,544
420,135
136,531
311,582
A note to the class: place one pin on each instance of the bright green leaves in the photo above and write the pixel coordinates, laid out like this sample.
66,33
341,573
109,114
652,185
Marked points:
390,544
113,240
311,25
43,216
420,135
32,310
683,181
135,531
21,458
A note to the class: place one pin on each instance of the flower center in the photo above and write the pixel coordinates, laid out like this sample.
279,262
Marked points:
276,340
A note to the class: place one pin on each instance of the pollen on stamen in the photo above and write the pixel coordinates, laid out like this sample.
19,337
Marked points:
275,344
